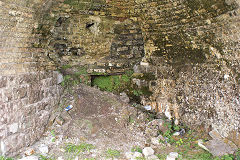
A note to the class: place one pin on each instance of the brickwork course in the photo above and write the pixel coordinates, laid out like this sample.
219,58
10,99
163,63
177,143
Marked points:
192,48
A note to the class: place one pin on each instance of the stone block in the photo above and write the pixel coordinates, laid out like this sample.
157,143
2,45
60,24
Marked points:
3,82
22,92
13,128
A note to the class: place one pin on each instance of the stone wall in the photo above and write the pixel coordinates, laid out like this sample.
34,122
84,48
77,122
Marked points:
195,46
28,88
192,47
100,35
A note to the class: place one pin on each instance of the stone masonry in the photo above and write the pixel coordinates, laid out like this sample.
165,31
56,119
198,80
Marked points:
192,48
28,92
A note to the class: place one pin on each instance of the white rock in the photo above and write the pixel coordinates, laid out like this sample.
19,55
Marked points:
201,144
76,158
152,157
43,149
226,76
148,151
60,158
29,158
59,78
168,113
144,63
174,154
176,133
148,108
13,128
2,148
129,155
170,158
137,155
155,140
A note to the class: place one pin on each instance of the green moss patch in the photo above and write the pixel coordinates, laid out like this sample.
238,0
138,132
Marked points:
121,83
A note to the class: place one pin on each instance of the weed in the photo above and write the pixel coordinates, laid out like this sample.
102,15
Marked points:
131,120
137,92
66,66
72,148
136,149
161,157
179,142
41,157
4,158
110,153
53,135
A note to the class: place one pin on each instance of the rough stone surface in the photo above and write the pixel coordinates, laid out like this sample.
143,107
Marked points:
137,155
219,148
152,157
148,151
29,158
192,47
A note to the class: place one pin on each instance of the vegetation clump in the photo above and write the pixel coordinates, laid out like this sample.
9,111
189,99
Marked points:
111,153
122,83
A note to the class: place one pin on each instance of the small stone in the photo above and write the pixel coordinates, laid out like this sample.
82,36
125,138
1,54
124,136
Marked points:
13,128
152,157
148,151
124,97
59,120
174,154
30,158
43,149
170,158
76,158
155,140
59,78
60,158
144,64
208,21
29,152
148,108
176,134
137,155
129,155
226,76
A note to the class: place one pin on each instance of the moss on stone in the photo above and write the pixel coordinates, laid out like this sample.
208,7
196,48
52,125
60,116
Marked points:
210,6
122,83
176,49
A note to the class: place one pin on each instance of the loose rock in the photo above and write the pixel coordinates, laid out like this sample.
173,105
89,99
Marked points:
59,120
43,149
30,158
155,140
29,152
137,155
152,157
148,151
129,155
60,158
218,147
172,156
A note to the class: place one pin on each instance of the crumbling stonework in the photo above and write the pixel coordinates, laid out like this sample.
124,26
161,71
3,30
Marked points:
192,48
28,92
196,51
